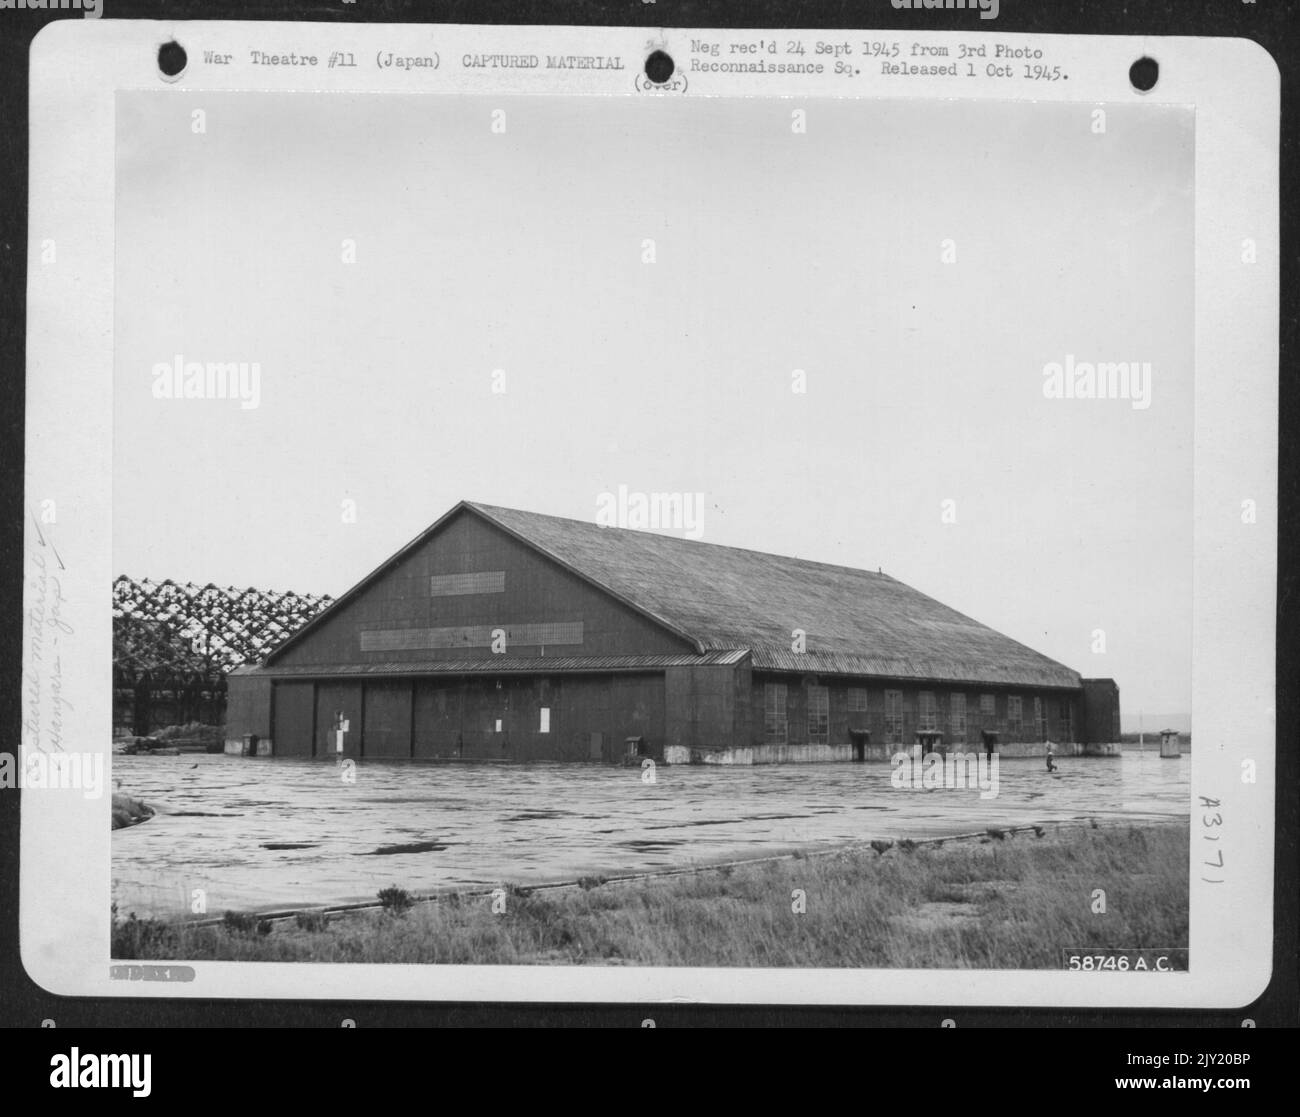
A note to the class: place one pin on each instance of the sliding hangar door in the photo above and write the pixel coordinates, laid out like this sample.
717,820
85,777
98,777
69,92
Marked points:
470,718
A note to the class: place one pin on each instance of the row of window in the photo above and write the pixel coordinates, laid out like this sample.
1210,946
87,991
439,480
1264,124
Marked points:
776,720
497,637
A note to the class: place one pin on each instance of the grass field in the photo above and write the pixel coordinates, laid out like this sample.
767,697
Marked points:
1000,901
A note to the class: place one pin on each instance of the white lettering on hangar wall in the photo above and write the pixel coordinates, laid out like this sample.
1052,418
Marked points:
469,636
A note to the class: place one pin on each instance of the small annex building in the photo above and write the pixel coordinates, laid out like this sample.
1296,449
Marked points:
499,634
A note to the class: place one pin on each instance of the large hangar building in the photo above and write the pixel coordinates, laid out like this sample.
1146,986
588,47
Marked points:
499,634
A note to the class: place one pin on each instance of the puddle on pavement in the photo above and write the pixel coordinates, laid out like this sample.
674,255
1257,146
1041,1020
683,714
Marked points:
204,814
409,847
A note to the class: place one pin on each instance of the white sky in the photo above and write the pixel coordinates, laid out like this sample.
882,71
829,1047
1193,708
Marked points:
523,252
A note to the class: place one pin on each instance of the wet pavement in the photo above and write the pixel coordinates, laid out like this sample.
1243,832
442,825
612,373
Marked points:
263,834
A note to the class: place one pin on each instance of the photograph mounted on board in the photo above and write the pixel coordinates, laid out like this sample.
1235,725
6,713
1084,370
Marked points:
780,559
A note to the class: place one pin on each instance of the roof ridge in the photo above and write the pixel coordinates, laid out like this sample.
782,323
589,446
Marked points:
643,533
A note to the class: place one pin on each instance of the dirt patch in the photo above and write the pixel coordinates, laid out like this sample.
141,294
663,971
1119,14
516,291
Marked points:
982,891
939,915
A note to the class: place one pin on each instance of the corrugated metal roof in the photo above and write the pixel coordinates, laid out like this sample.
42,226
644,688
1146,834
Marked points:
505,665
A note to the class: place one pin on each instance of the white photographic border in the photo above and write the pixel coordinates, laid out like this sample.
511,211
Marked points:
77,69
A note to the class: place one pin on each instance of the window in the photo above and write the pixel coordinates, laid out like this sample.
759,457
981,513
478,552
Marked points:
469,636
456,585
498,728
988,705
857,699
1114,723
928,719
1013,713
1067,720
894,716
545,726
774,723
1040,719
957,716
819,717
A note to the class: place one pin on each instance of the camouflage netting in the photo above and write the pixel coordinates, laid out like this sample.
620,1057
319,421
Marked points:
174,643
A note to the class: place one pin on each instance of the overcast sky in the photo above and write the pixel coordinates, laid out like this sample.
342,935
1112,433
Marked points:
774,251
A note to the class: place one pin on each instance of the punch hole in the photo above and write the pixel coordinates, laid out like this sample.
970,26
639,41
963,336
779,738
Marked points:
171,60
659,66
1144,73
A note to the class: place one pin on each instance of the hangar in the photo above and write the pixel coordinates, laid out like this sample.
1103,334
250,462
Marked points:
504,635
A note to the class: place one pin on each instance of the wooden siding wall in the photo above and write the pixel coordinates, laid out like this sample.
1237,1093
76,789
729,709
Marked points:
842,719
295,714
748,723
701,706
248,706
387,722
1100,711
332,699
592,716
425,719
615,708
536,592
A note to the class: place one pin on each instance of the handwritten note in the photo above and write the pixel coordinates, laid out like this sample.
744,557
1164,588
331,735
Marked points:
1211,821
47,632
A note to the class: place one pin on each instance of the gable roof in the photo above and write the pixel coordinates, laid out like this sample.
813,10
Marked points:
856,622
727,598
